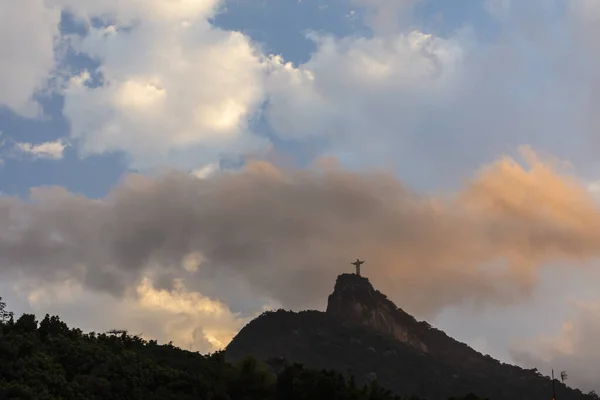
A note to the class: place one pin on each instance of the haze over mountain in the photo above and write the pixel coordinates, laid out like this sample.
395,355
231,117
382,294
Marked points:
176,167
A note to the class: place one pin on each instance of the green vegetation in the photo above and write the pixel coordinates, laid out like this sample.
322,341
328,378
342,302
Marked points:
47,360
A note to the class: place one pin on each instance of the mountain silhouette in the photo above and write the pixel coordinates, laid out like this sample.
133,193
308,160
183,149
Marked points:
365,334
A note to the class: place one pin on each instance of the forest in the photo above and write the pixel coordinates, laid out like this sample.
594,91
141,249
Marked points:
47,360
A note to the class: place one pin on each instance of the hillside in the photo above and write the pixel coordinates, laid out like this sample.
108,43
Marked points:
50,361
364,333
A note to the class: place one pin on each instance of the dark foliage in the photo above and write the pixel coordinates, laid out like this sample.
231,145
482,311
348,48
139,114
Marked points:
50,361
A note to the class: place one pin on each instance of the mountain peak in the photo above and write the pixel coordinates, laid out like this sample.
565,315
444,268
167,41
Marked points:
355,302
364,332
351,294
346,281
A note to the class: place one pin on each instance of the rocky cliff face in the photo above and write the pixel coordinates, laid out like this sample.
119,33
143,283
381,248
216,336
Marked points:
354,301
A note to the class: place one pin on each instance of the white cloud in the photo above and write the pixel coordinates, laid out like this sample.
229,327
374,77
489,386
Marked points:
179,91
48,150
40,296
182,316
176,90
192,317
28,29
206,171
439,106
387,16
366,95
127,12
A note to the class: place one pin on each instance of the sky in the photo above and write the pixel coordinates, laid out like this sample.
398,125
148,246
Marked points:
176,167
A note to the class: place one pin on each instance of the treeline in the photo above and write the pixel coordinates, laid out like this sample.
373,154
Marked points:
47,360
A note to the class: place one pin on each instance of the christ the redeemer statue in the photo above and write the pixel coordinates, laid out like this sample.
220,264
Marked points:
357,264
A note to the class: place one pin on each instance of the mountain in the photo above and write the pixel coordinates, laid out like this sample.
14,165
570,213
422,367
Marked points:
364,334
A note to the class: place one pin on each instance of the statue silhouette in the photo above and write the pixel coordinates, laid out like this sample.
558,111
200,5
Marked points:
357,264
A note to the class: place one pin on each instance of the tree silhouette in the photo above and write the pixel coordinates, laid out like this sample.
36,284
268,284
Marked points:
5,315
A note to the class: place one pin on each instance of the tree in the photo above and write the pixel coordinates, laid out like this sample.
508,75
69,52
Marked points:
5,316
26,323
52,325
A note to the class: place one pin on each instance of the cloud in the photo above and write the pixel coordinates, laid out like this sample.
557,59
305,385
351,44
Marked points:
574,349
28,30
48,150
174,89
389,76
387,16
429,103
497,8
385,98
187,318
206,171
131,11
276,234
199,319
171,88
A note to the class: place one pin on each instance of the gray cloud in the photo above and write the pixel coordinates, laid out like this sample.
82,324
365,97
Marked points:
574,350
285,234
